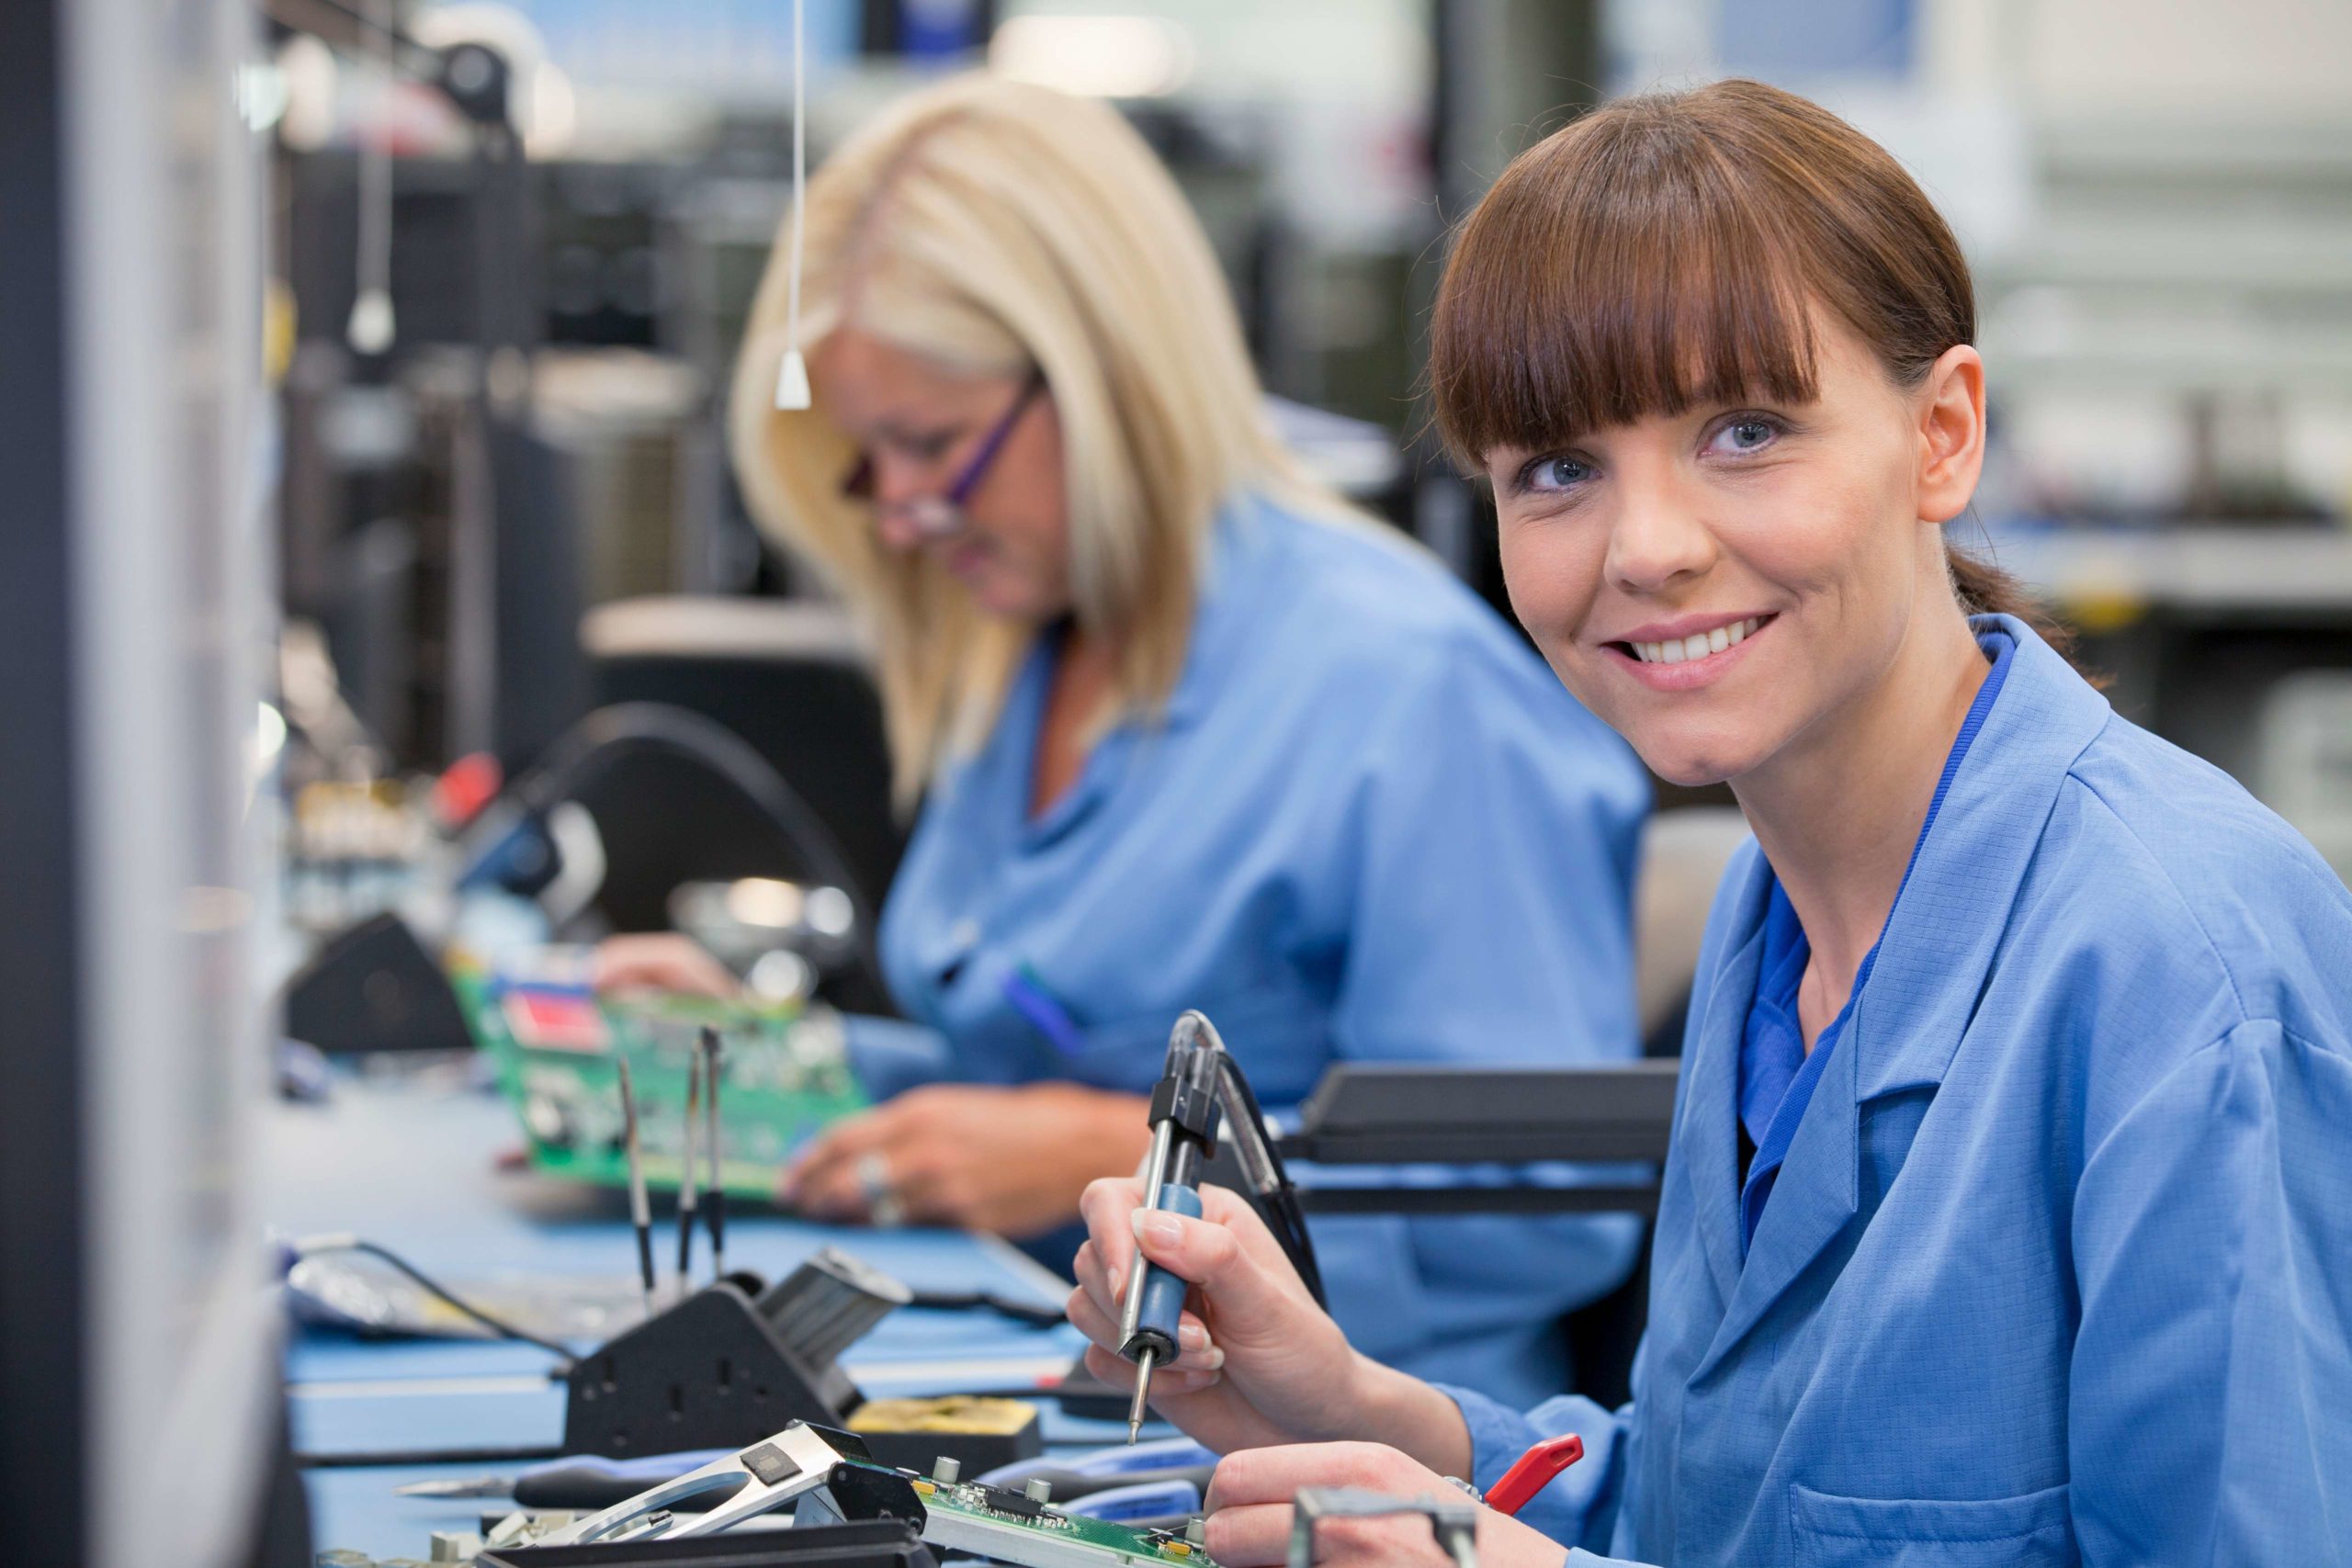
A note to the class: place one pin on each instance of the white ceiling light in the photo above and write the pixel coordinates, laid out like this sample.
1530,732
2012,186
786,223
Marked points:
1105,57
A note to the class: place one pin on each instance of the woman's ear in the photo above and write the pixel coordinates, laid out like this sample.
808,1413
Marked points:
1952,432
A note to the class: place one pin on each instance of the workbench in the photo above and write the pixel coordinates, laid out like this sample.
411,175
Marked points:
412,1162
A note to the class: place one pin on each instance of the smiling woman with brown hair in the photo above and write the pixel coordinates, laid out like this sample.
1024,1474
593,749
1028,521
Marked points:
2008,1213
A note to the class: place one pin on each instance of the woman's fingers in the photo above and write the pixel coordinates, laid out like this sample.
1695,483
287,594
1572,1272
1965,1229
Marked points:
1249,1504
1235,1282
1233,1210
1166,1383
660,961
1196,1350
825,1177
1249,1535
1105,1205
1275,1475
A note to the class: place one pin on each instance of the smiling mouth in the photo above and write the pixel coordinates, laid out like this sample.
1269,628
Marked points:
1697,646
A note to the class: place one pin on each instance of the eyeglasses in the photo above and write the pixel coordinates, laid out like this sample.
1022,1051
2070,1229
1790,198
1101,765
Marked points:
940,516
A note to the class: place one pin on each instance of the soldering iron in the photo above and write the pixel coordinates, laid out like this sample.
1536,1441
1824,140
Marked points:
1201,1081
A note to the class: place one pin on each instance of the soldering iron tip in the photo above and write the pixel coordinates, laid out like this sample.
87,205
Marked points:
1143,1396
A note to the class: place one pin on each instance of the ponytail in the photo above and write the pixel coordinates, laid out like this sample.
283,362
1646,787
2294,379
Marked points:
1983,588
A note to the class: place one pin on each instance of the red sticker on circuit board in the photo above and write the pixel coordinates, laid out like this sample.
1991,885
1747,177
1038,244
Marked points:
556,1020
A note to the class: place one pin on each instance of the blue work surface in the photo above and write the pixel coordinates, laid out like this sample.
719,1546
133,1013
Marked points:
414,1165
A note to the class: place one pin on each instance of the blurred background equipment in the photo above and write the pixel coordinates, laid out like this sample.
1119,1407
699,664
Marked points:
2158,219
139,779
519,509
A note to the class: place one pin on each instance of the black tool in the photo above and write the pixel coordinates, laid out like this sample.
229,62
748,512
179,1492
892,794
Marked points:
687,1173
1199,1082
729,1364
640,1211
374,987
1452,1519
1401,1113
862,1543
715,1203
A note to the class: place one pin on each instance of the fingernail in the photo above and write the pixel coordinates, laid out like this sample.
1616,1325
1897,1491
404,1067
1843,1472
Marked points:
1212,1360
1153,1227
1193,1337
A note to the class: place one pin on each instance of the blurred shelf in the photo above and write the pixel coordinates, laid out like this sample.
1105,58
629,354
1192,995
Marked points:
2167,357
2269,572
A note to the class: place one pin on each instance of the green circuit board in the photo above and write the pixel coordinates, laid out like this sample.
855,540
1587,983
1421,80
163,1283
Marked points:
784,1074
1007,1527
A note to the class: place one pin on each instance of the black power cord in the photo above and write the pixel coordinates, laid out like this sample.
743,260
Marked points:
312,1246
1271,1192
1030,1313
604,738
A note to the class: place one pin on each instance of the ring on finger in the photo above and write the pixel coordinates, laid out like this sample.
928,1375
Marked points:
882,1203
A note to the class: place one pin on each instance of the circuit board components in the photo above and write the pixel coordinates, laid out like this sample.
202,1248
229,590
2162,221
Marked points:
556,1050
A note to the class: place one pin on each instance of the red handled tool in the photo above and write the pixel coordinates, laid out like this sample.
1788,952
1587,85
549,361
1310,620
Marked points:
1536,1471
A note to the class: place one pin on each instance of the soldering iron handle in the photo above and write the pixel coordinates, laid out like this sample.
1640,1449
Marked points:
1162,1303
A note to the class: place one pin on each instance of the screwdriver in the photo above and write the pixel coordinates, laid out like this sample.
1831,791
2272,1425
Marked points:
640,1211
687,1174
1183,1125
714,1203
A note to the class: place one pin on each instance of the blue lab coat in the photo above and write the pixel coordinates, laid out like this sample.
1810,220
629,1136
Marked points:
1372,827
2059,1267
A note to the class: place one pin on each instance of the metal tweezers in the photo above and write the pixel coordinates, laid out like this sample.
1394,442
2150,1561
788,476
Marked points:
771,1473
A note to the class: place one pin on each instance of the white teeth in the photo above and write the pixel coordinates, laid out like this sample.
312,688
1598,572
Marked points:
1699,645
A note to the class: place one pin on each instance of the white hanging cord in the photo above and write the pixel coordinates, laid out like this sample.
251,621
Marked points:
792,380
370,330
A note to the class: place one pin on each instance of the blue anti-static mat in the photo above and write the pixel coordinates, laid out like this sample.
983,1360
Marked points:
359,1509
414,1168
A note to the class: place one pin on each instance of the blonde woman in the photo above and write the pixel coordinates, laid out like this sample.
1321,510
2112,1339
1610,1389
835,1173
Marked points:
1185,732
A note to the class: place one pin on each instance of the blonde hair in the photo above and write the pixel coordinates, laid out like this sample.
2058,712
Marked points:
989,226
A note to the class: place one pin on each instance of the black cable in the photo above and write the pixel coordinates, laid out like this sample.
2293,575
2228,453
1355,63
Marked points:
389,1457
984,1300
497,1326
603,736
1280,1208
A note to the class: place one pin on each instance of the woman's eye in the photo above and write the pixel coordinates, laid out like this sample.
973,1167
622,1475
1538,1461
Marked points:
1554,474
1743,436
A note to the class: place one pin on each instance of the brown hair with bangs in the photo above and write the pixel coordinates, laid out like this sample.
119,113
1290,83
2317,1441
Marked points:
1664,252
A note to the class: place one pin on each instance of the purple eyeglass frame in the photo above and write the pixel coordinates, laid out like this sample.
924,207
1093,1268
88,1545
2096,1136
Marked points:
948,508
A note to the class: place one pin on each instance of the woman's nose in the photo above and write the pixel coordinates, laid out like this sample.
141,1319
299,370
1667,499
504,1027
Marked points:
1655,539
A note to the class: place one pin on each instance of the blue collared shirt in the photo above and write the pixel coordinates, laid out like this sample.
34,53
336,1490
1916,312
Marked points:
1776,1073
2053,1270
1371,827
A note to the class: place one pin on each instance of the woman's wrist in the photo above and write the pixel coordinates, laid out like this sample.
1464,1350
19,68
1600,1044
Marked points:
1404,1413
1118,1126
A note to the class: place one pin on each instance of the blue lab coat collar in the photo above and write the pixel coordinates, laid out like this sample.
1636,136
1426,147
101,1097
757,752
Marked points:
1233,580
1938,948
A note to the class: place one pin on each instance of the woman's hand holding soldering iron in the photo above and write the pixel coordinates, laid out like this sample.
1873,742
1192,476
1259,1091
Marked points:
1261,1368
1259,1362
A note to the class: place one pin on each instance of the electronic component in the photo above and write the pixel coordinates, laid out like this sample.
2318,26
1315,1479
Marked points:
997,1522
783,1077
830,1478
